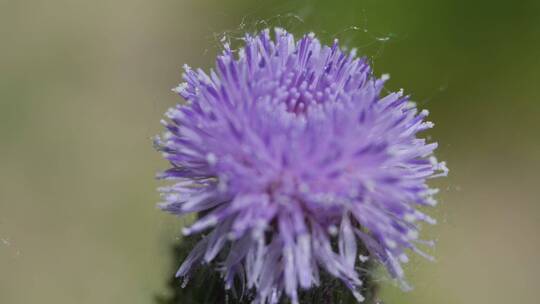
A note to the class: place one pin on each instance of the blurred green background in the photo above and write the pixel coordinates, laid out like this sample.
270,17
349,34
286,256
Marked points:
83,85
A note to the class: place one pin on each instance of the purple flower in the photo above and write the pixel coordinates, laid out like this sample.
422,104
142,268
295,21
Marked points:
287,148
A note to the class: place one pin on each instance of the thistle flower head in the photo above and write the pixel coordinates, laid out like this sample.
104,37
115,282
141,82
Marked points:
294,159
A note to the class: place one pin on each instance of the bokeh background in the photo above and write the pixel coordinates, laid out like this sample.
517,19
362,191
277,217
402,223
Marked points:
83,85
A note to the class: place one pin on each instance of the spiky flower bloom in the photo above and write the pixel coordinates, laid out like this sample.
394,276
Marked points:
293,159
